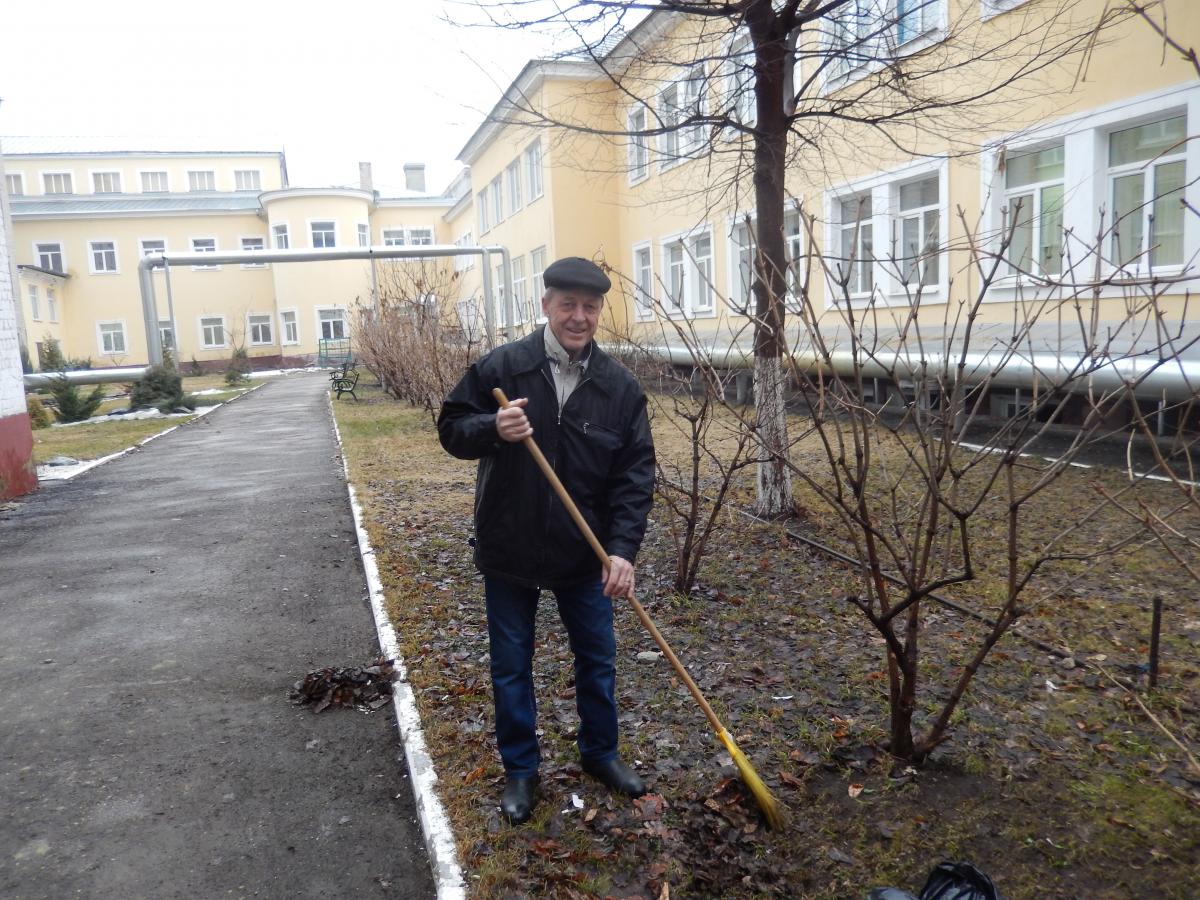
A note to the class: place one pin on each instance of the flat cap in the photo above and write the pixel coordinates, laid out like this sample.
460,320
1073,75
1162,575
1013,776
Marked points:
577,273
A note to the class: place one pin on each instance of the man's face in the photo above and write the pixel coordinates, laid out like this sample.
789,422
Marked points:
573,316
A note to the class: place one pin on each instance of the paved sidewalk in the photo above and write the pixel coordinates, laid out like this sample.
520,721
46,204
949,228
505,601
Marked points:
154,614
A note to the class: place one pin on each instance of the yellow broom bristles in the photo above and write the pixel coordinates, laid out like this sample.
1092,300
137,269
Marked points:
768,804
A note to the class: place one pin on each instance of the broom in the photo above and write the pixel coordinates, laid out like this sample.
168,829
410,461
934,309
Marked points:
762,795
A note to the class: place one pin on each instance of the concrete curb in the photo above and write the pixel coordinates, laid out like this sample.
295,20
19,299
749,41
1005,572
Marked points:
439,839
50,473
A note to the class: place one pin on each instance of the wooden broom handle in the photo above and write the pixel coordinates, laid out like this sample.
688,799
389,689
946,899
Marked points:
586,529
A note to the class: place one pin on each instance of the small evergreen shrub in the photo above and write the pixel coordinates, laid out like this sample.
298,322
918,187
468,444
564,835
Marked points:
26,362
160,387
39,416
195,368
239,367
72,404
52,358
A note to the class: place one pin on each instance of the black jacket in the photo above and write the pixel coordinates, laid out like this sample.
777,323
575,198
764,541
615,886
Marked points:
600,447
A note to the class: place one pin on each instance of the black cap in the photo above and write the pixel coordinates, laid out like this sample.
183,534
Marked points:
575,272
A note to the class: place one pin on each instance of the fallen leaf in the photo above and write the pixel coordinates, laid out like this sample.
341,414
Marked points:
788,778
474,774
590,814
854,790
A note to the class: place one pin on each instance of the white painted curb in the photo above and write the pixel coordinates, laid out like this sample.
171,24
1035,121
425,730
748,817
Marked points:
439,839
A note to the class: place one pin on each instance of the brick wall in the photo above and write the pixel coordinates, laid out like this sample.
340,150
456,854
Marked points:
17,473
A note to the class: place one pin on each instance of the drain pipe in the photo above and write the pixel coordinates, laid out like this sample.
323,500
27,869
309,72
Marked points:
252,257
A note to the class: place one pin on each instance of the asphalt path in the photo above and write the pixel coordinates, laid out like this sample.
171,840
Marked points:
154,614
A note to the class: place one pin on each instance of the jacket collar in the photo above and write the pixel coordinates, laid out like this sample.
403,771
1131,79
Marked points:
530,354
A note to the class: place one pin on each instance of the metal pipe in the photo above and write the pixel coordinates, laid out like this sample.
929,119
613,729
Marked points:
85,376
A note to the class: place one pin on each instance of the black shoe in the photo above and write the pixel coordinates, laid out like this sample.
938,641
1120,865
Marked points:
520,794
616,775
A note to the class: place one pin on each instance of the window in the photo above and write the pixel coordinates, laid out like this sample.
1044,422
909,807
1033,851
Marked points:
639,146
481,208
290,326
393,237
204,245
519,299
868,33
253,243
512,183
35,311
364,235
212,332
501,293
150,246
323,234
106,182
202,180
247,180
333,324
743,250
669,116
57,183
695,105
1146,168
918,227
688,273
496,194
154,183
112,337
1033,198
14,183
259,326
855,259
50,257
643,273
420,237
280,235
103,256
739,80
743,254
915,18
166,334
533,169
52,304
465,261
537,265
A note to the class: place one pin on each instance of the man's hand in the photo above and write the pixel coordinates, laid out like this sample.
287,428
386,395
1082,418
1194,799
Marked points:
511,424
618,578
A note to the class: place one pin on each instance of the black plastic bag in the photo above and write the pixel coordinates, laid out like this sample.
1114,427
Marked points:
948,881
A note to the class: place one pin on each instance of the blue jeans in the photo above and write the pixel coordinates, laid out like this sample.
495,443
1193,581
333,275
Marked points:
588,617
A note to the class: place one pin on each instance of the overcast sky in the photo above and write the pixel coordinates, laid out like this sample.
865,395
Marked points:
331,83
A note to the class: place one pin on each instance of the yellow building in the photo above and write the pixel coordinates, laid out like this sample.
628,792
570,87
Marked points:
1092,133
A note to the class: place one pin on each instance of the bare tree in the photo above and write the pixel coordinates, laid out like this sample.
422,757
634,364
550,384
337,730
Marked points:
758,87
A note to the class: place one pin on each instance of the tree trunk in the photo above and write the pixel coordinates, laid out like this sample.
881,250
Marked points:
770,150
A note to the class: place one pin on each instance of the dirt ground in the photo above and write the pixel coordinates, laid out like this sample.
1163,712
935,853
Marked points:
1054,781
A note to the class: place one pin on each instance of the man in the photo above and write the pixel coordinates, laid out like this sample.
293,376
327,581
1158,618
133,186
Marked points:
588,415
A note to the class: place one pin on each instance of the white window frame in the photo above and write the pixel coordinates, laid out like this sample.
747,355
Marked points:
1036,214
120,332
884,189
277,233
312,233
394,236
695,102
740,298
738,82
284,340
166,334
142,242
116,260
51,303
242,246
166,180
991,8
639,145
251,325
58,173
1147,169
496,195
533,163
697,278
364,234
512,187
62,256
35,310
643,293
467,260
919,259
194,249
879,36
416,236
113,176
1086,187
856,230
14,183
537,280
669,112
204,343
239,176
500,294
481,210
193,179
519,298
320,322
